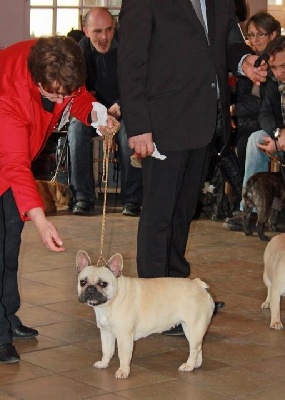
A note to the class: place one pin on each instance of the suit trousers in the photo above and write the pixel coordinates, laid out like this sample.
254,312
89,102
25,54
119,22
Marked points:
171,188
11,227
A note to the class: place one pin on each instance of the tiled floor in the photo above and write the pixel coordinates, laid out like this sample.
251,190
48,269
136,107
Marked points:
243,357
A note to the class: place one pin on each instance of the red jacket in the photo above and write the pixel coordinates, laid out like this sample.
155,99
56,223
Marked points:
25,125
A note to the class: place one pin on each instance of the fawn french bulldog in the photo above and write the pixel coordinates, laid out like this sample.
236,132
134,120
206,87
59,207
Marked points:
274,278
128,309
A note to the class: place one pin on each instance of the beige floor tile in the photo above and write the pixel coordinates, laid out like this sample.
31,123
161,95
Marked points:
56,387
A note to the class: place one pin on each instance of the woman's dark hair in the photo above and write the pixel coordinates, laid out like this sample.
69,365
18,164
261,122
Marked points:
57,62
264,21
275,46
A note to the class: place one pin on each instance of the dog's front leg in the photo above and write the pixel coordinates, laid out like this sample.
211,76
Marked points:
108,348
125,351
275,308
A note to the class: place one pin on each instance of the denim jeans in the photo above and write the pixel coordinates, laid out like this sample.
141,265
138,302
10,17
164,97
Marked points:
256,160
131,177
81,160
81,164
11,227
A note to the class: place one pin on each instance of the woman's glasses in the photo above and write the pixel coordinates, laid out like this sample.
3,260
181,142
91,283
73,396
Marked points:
57,96
251,35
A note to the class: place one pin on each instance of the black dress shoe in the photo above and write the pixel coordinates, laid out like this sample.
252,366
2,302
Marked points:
131,210
218,306
82,208
8,354
23,332
176,330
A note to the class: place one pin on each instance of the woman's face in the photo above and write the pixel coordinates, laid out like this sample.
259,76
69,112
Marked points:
258,38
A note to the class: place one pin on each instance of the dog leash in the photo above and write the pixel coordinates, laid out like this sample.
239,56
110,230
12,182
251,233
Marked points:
107,145
277,160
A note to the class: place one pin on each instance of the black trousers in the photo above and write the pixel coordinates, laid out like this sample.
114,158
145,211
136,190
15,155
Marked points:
171,188
11,227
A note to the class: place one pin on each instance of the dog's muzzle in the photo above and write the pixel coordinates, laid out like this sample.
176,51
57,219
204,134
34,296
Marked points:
92,296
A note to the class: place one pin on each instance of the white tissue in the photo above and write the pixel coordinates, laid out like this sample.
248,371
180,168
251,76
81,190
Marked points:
101,116
156,153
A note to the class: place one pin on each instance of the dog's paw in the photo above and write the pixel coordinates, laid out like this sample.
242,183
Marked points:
186,367
100,364
266,304
276,325
122,373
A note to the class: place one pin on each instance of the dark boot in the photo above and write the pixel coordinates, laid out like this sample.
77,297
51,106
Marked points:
229,165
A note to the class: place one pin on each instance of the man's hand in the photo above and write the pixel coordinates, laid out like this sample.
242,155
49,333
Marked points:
257,75
115,111
270,144
142,144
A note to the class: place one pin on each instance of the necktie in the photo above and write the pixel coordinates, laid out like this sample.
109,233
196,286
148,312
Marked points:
281,88
197,7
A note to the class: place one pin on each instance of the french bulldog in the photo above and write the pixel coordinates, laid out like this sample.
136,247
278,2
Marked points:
128,309
274,278
266,192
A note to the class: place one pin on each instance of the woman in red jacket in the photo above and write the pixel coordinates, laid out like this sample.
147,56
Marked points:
39,79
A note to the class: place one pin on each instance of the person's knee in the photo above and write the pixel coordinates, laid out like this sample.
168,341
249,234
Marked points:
255,138
79,134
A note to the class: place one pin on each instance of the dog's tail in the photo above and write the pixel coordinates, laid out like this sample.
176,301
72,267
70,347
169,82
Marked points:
202,283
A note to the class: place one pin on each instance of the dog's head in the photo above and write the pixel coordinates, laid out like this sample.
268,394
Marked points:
97,285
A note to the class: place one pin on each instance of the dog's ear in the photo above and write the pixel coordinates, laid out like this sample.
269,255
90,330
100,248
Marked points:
82,260
115,264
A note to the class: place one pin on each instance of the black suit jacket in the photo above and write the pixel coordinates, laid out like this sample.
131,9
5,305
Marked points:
168,72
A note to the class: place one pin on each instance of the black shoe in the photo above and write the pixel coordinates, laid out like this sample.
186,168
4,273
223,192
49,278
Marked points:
176,330
82,208
23,332
218,306
8,354
131,210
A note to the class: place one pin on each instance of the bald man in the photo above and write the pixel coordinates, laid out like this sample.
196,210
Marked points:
100,49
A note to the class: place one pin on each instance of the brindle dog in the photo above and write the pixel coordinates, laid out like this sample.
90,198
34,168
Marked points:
262,191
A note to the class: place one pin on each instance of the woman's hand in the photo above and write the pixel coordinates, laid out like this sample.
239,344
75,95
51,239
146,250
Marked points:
47,231
111,128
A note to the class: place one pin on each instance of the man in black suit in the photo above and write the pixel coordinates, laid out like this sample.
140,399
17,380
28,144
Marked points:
173,79
241,10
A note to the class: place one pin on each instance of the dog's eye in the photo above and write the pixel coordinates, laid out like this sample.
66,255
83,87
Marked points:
83,282
103,284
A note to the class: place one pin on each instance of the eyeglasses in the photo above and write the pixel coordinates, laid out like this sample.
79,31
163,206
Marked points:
57,96
258,35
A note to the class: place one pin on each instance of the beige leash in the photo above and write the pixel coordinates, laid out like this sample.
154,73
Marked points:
107,145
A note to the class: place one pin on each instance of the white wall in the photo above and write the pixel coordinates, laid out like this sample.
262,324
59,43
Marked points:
256,5
14,25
